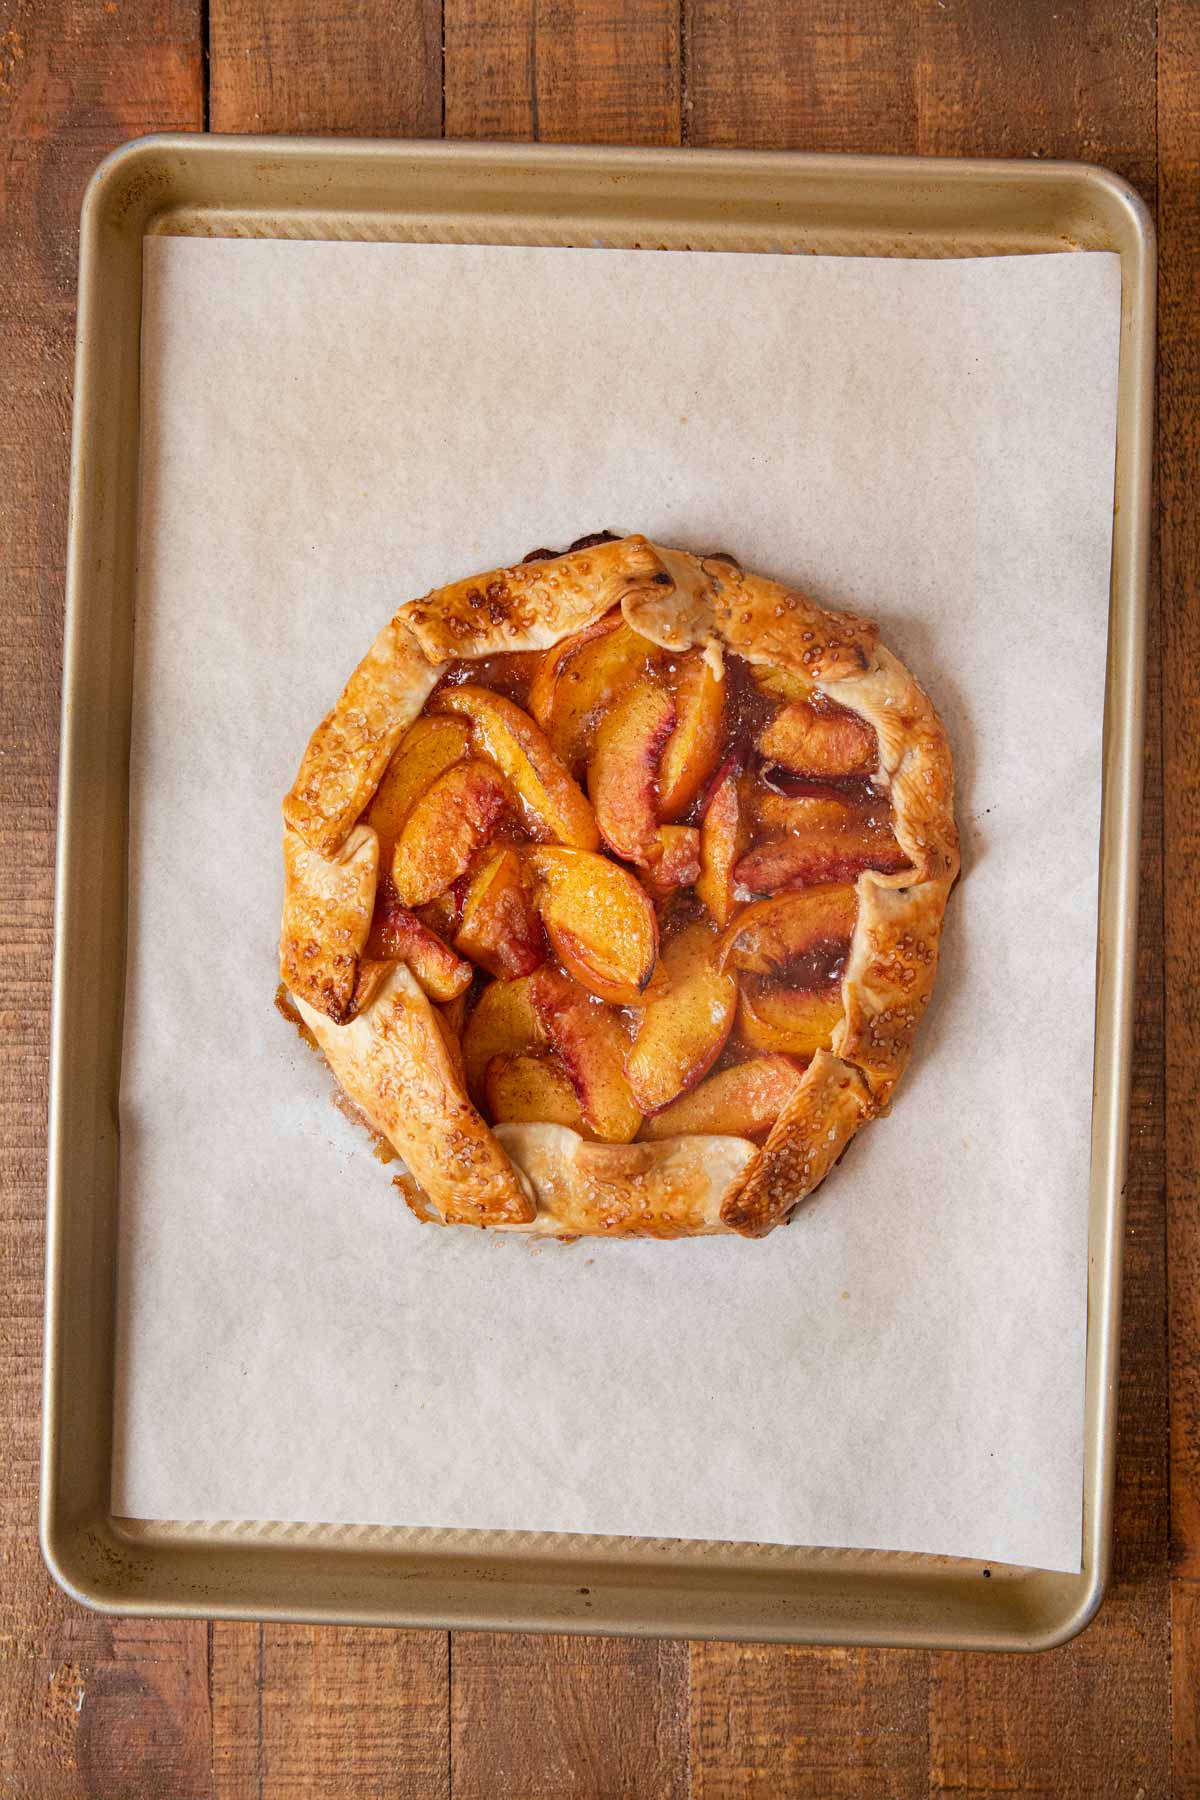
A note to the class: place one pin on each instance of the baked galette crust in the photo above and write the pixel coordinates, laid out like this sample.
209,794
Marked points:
389,1045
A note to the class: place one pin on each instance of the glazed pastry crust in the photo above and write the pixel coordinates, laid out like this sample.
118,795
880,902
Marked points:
392,1056
327,907
811,1132
353,744
665,1190
394,1063
534,604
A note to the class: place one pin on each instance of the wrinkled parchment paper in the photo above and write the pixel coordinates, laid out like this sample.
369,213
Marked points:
329,429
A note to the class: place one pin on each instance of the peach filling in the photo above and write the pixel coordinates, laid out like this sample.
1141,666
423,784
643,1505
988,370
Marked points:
627,876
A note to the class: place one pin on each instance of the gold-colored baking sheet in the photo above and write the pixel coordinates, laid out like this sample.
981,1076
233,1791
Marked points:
514,194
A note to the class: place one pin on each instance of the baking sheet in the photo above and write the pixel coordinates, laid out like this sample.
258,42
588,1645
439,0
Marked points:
330,428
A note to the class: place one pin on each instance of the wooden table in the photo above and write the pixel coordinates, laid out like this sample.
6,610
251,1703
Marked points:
133,1711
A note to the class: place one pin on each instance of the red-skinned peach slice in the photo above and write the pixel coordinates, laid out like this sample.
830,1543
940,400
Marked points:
578,680
499,928
426,751
676,862
771,933
623,771
694,748
502,1024
551,801
742,1101
533,1088
795,1021
588,1040
820,742
599,920
806,859
397,935
724,834
448,824
681,1035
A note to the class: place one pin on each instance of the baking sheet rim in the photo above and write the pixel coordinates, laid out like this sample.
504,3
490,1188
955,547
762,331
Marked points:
107,206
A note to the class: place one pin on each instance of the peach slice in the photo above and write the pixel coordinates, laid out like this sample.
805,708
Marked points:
743,1101
537,1089
781,684
445,828
781,814
589,1042
499,928
820,741
397,935
796,1021
545,693
724,834
785,927
693,750
676,861
552,803
623,771
599,920
807,858
578,681
502,1024
680,1036
426,750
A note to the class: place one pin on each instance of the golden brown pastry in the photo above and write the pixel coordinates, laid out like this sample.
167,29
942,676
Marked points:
614,886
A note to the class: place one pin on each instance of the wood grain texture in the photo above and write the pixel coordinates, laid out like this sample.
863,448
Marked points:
367,69
1179,553
353,1712
1074,80
87,1706
1179,558
1185,1685
235,1670
830,75
545,1717
299,1712
816,1724
587,72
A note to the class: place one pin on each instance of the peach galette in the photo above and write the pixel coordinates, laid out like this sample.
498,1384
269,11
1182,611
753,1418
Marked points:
614,883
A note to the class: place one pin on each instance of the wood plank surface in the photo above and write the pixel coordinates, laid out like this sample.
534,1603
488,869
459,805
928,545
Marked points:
1179,554
548,1716
595,72
297,1712
367,69
830,1724
92,1707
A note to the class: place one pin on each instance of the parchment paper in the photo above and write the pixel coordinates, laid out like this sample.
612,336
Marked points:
329,429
